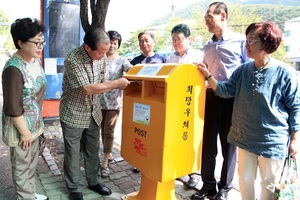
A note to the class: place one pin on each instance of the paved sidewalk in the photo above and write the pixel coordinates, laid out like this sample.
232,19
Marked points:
122,180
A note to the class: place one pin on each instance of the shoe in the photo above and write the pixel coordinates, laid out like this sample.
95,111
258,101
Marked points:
111,159
202,194
104,172
40,197
135,170
101,189
76,196
192,182
221,196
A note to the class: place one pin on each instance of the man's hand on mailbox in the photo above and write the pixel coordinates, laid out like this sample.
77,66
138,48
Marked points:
122,83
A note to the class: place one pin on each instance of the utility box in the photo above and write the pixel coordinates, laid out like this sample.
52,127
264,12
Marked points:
163,119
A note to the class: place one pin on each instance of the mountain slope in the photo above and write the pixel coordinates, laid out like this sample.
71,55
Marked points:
273,11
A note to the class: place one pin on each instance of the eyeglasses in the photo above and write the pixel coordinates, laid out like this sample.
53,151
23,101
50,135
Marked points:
251,41
38,44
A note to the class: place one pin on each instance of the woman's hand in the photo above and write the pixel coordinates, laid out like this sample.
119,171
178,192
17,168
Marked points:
25,140
294,145
212,82
25,134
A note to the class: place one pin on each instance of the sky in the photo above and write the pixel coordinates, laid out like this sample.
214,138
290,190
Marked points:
123,16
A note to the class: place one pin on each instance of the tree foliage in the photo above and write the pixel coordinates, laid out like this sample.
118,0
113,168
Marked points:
194,18
238,21
276,13
241,15
5,38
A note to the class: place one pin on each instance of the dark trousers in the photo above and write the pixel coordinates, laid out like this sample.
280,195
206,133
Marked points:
218,112
85,140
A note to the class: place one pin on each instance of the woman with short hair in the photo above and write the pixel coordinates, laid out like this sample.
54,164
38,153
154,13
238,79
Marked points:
266,112
24,85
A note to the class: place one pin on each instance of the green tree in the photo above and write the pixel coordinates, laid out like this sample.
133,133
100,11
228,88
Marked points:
276,13
238,21
5,38
280,54
241,15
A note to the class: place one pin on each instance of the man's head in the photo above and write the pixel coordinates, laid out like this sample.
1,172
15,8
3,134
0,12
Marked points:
181,38
216,17
96,43
146,42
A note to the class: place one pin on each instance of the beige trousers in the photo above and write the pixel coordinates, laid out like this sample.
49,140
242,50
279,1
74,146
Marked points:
269,171
24,162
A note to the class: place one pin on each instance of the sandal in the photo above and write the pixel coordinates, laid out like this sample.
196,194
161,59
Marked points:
104,172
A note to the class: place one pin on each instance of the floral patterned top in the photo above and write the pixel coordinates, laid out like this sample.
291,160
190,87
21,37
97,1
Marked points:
113,99
33,88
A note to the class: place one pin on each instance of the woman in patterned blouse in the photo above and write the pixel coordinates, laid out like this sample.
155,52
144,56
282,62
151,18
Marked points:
112,101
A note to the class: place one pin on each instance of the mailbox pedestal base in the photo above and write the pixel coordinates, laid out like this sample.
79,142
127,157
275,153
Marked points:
151,189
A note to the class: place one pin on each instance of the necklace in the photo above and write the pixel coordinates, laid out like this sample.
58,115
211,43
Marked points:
262,67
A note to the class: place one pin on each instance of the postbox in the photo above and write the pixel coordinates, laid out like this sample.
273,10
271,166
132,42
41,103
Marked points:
162,125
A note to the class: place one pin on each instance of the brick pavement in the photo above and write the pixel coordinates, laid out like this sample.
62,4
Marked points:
121,181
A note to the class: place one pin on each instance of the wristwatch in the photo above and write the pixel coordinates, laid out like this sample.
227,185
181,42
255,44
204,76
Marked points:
208,77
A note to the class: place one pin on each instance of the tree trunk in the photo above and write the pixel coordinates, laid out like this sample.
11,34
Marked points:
98,12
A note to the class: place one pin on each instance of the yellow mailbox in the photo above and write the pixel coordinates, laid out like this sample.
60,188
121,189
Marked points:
162,127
